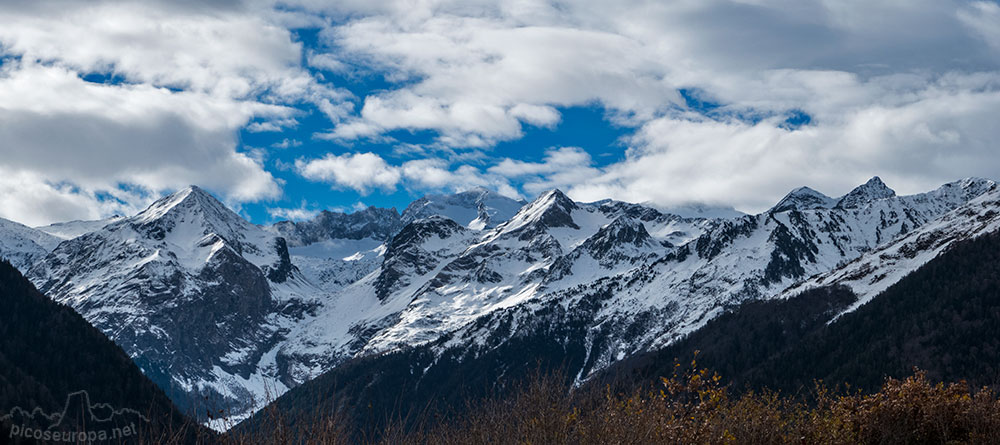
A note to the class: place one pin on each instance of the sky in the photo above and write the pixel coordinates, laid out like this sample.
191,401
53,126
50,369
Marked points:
286,108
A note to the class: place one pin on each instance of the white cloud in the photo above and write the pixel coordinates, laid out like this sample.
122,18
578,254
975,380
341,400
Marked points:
362,171
57,128
983,17
226,52
480,78
940,134
187,78
293,214
900,89
538,115
476,72
286,143
30,200
365,172
561,168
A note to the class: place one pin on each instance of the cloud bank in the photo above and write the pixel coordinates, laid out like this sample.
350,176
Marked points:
106,105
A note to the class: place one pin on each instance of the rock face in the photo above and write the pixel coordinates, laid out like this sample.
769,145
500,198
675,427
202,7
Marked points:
209,303
373,222
871,191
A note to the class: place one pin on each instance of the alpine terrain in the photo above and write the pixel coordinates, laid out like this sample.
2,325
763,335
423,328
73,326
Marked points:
210,305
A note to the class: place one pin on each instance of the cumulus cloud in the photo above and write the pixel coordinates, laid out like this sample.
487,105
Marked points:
941,133
293,214
899,89
480,78
30,200
904,90
225,51
359,171
476,73
563,167
364,172
62,129
181,81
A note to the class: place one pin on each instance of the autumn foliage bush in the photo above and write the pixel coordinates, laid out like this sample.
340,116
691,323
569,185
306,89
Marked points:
694,406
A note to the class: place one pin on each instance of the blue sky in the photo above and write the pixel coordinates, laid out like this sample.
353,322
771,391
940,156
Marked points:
284,108
584,127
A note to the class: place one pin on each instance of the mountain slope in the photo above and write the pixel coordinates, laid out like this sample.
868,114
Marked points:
22,245
598,281
943,318
653,303
67,355
875,271
196,295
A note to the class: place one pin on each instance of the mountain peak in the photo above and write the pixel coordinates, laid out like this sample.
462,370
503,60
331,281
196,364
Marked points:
188,197
551,209
477,208
552,199
872,190
803,198
196,210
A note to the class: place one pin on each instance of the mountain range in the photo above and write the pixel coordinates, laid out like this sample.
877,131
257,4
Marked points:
210,305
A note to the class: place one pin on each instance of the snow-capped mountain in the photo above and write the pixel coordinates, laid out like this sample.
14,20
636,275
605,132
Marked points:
195,294
674,291
871,191
803,198
335,249
370,223
873,272
609,278
437,276
22,245
476,209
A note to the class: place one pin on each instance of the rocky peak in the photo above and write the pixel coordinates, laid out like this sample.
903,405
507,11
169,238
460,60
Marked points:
620,232
803,198
191,198
420,230
873,190
409,254
550,210
192,207
478,208
372,222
